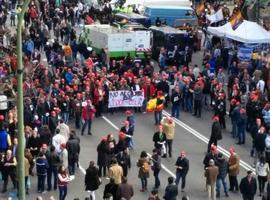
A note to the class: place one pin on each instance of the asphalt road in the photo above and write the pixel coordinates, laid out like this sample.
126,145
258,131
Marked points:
191,135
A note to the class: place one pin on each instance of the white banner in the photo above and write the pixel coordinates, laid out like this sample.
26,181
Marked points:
125,98
218,16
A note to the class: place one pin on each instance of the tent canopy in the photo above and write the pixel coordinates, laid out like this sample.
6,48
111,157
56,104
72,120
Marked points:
158,2
247,32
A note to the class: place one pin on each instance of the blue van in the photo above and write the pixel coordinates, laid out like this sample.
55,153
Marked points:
131,18
174,16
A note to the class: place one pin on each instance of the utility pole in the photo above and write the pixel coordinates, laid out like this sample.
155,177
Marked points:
21,139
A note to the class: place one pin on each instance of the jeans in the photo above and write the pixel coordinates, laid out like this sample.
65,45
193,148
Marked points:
158,116
176,110
89,123
44,120
52,171
224,183
71,166
156,174
65,116
62,192
41,182
234,129
188,102
144,183
180,175
241,134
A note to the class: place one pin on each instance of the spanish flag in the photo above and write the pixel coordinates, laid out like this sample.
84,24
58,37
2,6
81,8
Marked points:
151,105
200,8
236,20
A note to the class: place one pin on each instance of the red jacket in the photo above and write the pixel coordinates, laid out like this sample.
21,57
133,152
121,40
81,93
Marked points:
152,90
88,112
96,97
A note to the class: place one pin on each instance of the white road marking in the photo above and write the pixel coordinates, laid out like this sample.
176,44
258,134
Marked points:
82,169
205,140
162,166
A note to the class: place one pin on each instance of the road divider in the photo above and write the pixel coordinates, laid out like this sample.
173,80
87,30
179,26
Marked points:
204,139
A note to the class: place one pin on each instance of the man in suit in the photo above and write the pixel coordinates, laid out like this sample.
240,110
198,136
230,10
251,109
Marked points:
248,186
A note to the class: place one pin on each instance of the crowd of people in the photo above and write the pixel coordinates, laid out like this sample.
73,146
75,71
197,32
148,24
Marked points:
66,83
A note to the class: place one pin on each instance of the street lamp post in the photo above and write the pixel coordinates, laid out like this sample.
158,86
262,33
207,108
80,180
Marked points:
21,139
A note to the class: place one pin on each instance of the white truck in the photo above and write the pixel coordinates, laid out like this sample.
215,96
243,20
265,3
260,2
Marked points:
118,42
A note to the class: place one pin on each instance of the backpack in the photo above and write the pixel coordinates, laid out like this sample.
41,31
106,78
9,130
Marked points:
146,167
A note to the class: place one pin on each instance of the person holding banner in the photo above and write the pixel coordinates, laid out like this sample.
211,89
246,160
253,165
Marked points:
149,91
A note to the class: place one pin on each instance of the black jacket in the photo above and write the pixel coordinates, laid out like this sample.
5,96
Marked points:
53,159
216,131
102,152
157,139
112,189
222,167
171,192
184,163
176,98
156,162
208,157
259,142
248,189
91,179
73,148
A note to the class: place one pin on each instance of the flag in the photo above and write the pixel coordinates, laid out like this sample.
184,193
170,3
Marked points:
200,9
236,20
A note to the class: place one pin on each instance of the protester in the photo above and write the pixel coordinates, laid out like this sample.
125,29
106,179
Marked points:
115,171
211,173
171,190
182,168
102,157
159,139
124,161
248,186
234,169
63,179
88,113
42,168
154,195
110,188
156,167
53,162
222,165
9,170
73,148
168,125
216,133
144,170
262,170
92,180
125,190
